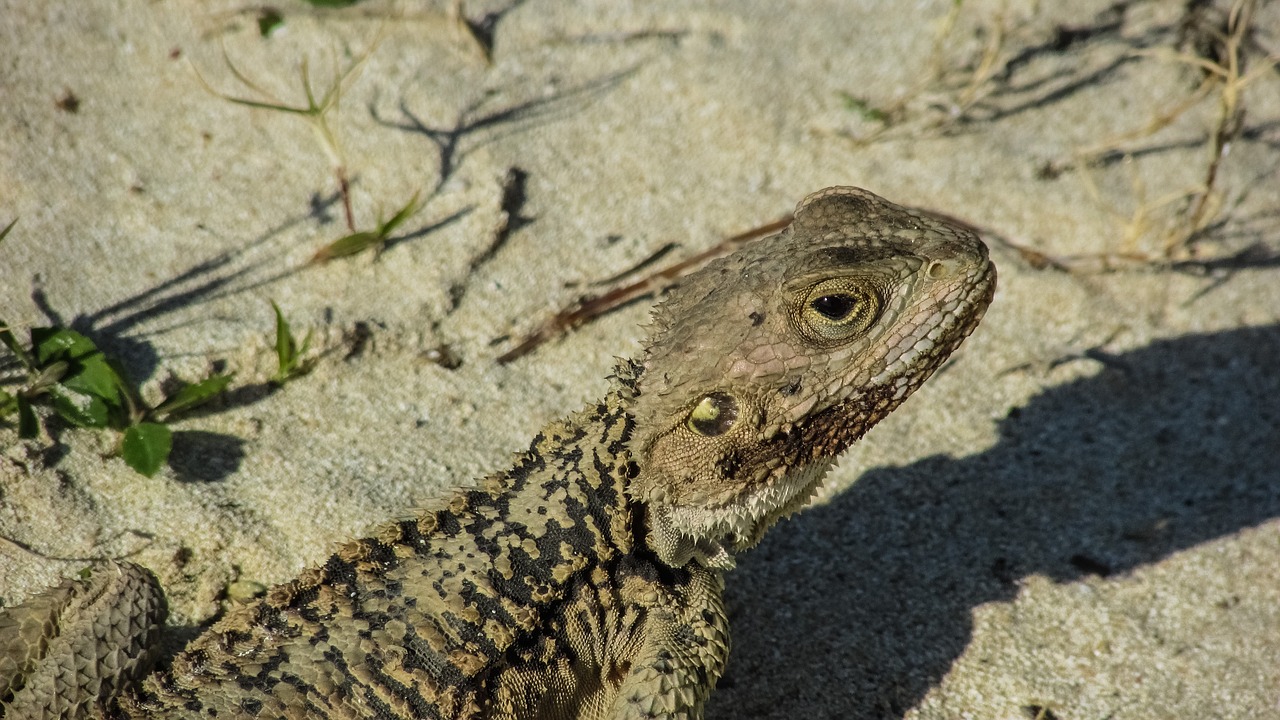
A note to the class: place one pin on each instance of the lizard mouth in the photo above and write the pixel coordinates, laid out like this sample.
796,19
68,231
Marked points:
780,500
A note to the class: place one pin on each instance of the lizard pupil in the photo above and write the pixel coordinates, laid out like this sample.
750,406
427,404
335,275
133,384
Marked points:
834,307
713,415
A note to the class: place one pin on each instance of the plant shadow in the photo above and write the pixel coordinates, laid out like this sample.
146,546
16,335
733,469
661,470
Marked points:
859,607
200,456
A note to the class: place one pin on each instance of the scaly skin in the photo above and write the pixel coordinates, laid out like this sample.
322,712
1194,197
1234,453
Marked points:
584,582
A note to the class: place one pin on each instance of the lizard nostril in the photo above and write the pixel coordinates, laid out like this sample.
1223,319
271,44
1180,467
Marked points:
938,270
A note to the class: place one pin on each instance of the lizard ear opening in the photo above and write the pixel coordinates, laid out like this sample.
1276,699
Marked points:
714,415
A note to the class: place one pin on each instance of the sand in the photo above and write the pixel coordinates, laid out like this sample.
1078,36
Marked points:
1078,518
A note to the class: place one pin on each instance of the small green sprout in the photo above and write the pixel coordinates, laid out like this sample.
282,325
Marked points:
290,357
191,395
358,242
864,108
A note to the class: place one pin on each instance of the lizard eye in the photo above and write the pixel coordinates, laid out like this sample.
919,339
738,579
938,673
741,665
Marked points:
713,415
837,310
834,307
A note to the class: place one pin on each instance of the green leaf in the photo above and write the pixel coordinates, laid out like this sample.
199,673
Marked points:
286,346
48,375
406,212
348,245
15,347
134,410
359,241
8,403
59,343
7,228
93,374
78,408
146,447
193,395
89,370
289,354
28,425
269,20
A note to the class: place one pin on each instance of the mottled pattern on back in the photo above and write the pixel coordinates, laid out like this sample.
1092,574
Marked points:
449,613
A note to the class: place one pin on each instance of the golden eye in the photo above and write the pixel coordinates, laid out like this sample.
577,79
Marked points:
837,310
713,415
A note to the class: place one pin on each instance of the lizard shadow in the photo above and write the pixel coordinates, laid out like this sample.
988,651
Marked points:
858,607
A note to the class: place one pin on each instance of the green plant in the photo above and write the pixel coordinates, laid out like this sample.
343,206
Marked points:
66,371
360,241
290,359
315,113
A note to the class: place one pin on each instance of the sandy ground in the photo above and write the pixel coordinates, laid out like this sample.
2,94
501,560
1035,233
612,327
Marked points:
1079,518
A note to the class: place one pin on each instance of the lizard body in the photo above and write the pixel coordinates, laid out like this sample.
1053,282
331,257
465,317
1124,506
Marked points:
584,582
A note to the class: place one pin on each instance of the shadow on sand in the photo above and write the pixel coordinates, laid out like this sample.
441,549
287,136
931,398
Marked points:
1166,448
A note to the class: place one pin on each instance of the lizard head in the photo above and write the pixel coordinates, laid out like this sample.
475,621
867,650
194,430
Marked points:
765,365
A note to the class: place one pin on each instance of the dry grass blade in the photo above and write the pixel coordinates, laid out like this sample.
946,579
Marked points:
589,309
1202,206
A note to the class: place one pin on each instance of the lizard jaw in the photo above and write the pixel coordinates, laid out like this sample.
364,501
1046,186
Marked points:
723,532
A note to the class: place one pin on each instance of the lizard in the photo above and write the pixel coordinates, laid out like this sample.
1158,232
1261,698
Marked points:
586,580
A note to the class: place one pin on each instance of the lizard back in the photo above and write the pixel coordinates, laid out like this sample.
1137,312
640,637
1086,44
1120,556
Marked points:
452,613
